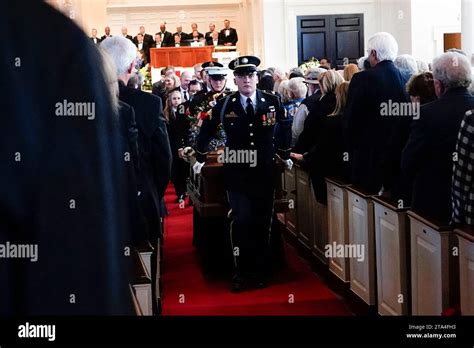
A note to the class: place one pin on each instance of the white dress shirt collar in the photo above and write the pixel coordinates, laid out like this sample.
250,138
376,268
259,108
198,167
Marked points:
253,97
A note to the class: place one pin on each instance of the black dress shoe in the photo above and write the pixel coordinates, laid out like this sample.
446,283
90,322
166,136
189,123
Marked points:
261,284
238,285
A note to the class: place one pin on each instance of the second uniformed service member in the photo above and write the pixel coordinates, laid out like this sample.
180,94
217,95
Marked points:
191,114
249,117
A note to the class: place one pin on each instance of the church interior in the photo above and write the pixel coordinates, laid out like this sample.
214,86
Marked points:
239,158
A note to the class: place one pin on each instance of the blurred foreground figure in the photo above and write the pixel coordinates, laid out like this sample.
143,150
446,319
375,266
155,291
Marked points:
64,186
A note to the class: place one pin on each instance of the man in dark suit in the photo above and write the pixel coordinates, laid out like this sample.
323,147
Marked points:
228,36
180,41
182,35
64,181
195,33
166,37
249,118
375,139
94,37
214,40
430,152
142,45
107,34
154,148
146,37
125,34
208,35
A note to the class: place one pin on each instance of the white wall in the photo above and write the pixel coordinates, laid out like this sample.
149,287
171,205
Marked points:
430,20
395,17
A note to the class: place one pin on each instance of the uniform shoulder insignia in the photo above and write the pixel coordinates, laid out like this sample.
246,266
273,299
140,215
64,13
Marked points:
269,94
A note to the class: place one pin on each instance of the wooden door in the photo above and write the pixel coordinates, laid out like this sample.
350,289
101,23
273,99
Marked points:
338,37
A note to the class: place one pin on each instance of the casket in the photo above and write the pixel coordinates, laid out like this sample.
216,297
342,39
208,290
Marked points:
208,195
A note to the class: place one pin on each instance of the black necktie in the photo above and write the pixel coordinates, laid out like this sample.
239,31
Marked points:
185,95
249,110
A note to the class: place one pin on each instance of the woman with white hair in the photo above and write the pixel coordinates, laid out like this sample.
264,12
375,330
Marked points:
278,75
406,64
292,92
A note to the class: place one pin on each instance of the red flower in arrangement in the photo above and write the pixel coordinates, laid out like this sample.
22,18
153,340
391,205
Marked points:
203,115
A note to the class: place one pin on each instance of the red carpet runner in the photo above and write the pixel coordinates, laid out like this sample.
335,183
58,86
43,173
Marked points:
187,292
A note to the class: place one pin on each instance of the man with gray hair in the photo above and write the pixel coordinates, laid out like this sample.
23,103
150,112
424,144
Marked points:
154,149
430,153
376,140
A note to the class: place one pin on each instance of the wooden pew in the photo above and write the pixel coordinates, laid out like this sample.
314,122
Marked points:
145,251
304,208
433,268
136,305
362,233
289,187
392,257
465,235
142,285
338,226
311,216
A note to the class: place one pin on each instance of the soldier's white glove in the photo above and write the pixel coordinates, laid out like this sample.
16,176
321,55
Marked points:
288,164
197,167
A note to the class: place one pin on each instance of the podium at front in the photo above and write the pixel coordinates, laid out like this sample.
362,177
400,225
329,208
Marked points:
224,55
180,56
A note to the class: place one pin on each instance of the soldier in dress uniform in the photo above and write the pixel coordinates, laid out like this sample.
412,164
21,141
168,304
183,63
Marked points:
253,144
190,113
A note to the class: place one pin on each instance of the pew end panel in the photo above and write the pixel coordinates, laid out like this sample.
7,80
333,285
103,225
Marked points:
465,236
338,226
362,234
392,257
434,269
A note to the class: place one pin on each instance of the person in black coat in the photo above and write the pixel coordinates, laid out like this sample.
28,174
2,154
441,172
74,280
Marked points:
208,35
166,37
427,159
153,144
319,128
376,139
228,36
94,38
146,37
180,168
64,184
328,155
325,106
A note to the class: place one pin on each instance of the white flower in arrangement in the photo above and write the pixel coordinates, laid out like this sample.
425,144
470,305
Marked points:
311,63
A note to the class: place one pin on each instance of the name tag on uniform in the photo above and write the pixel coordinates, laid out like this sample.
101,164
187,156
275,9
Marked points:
231,115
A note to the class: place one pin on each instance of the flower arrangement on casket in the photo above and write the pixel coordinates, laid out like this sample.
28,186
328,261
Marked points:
201,111
146,73
311,63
